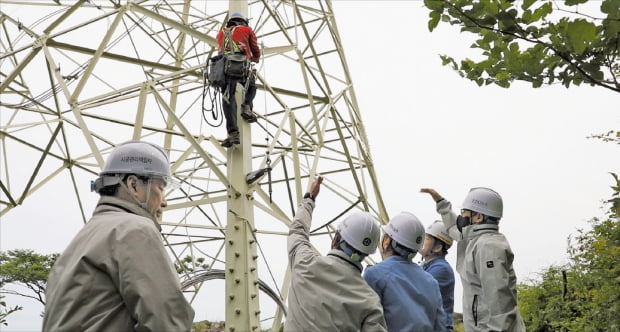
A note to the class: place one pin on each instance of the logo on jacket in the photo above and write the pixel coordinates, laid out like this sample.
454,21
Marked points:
490,264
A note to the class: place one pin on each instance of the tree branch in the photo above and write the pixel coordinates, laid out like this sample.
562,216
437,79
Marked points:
588,77
12,292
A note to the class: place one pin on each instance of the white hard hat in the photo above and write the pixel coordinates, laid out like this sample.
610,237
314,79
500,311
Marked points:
407,230
485,201
237,15
134,157
438,230
361,231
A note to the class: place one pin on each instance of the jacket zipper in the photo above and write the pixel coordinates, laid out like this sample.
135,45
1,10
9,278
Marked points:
474,310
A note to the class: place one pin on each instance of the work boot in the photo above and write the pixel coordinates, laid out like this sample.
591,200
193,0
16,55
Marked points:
231,139
247,113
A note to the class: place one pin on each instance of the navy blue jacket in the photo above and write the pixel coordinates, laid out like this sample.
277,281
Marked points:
441,270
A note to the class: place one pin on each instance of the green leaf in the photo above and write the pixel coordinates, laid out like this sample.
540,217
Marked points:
574,2
542,12
527,17
434,21
580,34
593,70
490,7
434,5
482,44
537,83
502,76
527,4
488,20
611,7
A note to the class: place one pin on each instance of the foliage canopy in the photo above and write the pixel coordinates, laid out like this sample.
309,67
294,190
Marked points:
541,42
28,269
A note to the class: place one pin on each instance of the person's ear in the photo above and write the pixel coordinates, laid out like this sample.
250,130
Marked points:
385,242
437,247
132,182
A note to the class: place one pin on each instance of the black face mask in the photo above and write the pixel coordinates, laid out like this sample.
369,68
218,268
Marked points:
462,222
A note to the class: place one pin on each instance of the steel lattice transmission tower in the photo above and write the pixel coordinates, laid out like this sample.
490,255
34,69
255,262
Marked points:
79,77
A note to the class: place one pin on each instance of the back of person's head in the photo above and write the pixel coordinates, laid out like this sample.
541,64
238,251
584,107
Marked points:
407,234
359,233
486,202
142,159
237,18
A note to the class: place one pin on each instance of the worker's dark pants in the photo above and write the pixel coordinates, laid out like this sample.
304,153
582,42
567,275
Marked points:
230,107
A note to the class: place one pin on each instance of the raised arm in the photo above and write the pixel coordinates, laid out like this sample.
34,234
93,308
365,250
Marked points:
444,208
298,242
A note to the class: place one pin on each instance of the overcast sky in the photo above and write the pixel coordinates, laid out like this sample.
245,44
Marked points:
428,127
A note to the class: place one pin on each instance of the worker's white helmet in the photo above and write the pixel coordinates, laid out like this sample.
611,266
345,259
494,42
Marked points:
135,157
361,231
438,230
238,16
485,201
407,230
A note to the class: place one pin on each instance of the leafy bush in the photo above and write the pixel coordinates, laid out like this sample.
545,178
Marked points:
584,294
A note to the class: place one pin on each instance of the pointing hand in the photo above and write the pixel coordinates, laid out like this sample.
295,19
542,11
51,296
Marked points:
433,193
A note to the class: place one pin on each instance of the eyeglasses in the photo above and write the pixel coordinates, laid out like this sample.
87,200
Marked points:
471,213
169,182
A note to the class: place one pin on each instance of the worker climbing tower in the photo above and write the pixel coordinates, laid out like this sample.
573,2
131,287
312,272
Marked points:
79,77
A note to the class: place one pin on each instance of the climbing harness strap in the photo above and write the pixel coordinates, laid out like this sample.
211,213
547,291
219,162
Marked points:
230,46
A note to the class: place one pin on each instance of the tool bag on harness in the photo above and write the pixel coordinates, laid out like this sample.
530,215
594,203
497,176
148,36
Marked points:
216,74
236,66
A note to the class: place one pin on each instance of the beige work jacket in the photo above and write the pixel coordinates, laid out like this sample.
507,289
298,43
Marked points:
327,293
115,275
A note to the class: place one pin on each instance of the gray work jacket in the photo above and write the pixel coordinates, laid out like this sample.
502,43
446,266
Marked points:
327,293
484,262
115,275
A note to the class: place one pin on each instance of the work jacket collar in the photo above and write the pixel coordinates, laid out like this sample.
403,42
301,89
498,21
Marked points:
397,258
109,203
473,231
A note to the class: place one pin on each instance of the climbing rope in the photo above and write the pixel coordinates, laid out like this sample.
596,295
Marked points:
214,98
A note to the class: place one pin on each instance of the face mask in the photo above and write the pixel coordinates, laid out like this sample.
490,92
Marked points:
462,222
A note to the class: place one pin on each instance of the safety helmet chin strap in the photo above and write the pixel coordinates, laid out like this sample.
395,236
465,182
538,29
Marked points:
351,252
402,251
143,205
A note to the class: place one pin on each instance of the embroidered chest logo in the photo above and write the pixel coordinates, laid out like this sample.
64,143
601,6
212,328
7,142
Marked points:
490,264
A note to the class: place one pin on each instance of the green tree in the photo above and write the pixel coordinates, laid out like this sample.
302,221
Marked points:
541,42
27,269
584,294
189,264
